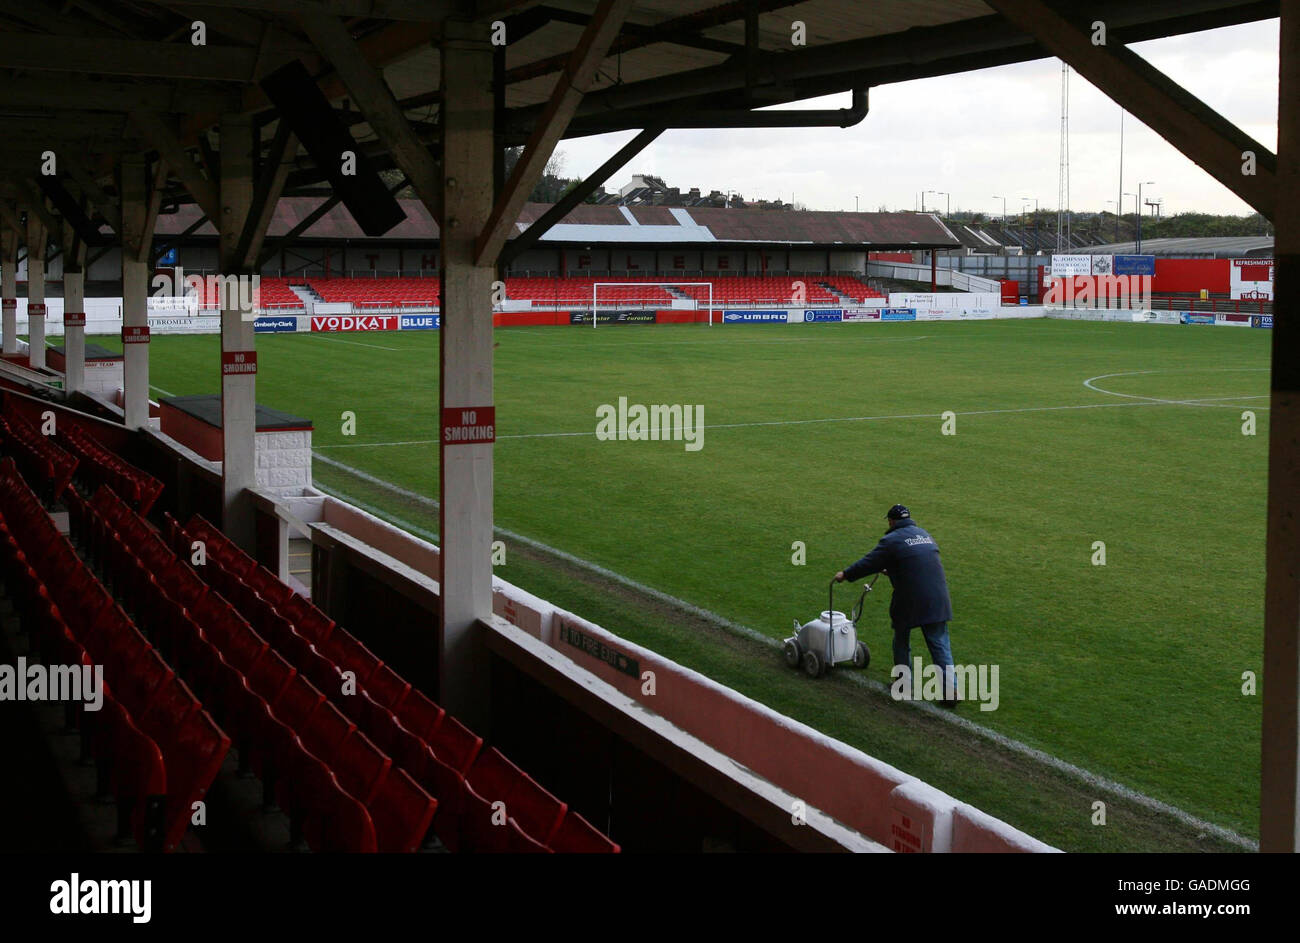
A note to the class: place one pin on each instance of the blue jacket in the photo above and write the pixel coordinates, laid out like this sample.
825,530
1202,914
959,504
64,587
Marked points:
910,557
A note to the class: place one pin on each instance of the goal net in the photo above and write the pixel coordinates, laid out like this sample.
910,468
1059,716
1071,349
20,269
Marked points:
631,302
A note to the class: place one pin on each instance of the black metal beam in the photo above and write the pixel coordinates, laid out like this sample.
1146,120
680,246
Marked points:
915,53
529,237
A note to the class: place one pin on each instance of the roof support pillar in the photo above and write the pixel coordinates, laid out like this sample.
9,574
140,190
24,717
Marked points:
238,388
465,515
9,289
1279,804
36,240
74,329
134,188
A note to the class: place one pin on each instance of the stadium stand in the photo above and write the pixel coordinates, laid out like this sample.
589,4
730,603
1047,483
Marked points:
378,292
406,781
273,293
189,674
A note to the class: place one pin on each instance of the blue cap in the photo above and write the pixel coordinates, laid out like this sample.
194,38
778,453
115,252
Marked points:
898,512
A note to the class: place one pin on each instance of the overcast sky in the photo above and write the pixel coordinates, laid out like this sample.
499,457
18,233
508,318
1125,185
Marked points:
976,134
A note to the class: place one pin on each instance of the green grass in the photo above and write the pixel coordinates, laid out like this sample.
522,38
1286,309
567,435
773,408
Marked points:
1132,670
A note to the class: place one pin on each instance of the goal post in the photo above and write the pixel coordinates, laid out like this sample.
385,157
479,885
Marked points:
596,286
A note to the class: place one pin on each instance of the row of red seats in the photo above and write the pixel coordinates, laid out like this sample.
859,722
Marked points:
379,291
422,741
39,458
321,652
98,465
271,293
219,653
307,755
156,749
129,764
854,288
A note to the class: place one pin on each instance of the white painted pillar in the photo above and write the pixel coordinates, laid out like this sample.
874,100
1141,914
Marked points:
238,351
36,292
74,330
135,292
466,367
9,290
135,342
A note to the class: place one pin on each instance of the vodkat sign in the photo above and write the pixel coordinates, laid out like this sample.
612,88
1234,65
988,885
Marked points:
355,322
469,425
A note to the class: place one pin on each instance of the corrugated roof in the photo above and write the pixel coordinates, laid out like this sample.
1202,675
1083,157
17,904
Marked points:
592,223
1211,247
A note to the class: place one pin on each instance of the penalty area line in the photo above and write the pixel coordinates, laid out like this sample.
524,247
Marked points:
1057,764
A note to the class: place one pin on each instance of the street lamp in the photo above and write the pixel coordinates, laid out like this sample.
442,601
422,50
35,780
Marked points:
1023,201
942,193
1138,246
855,204
1004,206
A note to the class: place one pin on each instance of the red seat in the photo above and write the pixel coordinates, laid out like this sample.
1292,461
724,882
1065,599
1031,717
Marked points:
137,775
419,715
308,621
244,648
454,744
270,675
171,709
194,750
388,688
518,842
320,670
296,704
402,813
360,766
495,778
144,679
350,655
578,836
481,822
325,731
319,808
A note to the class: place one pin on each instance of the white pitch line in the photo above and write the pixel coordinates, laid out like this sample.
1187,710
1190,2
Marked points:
1062,766
161,390
353,343
1144,401
747,342
1209,401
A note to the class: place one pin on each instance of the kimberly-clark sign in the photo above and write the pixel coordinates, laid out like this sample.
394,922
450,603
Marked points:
421,322
831,315
275,325
754,317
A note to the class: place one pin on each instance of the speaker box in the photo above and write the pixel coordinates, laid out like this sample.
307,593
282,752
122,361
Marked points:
308,113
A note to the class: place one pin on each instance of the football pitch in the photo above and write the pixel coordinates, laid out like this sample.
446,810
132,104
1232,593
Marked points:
1100,510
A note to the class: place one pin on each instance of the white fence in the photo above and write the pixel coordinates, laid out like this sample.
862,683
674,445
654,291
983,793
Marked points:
910,272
